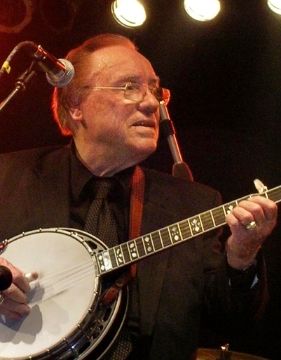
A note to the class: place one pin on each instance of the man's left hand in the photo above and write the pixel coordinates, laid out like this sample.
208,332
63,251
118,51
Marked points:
250,223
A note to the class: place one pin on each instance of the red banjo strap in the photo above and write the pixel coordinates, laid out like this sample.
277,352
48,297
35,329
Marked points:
136,210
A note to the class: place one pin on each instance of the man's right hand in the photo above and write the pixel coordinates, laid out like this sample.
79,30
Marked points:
14,299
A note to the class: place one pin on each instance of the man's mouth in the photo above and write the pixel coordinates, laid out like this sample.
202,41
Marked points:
147,123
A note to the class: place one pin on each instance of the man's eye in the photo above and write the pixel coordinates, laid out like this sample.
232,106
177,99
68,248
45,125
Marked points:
132,87
155,90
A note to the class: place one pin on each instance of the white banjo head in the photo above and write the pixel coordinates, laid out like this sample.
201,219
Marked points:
66,290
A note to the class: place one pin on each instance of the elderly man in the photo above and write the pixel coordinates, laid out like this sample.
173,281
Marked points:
111,111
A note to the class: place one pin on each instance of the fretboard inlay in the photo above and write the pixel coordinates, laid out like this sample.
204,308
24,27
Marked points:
148,244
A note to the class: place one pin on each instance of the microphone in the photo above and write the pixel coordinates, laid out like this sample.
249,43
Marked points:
59,72
6,278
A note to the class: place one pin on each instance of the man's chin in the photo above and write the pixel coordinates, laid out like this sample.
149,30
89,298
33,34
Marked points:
142,150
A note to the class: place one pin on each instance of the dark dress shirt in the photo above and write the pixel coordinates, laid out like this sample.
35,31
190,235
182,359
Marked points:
82,195
173,285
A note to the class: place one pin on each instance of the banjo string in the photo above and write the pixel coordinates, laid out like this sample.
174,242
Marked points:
54,283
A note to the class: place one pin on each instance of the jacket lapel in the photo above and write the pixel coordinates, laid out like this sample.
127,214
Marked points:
151,271
53,188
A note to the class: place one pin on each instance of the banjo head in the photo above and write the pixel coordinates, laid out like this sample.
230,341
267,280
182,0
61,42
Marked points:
65,311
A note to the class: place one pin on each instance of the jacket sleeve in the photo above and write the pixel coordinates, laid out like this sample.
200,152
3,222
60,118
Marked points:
233,300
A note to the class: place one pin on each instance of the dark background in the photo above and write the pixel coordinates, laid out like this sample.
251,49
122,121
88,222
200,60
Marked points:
225,79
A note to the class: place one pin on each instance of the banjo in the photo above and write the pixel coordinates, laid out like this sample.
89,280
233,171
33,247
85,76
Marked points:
67,319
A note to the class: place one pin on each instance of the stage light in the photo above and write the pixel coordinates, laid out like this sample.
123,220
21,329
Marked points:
202,10
275,6
128,13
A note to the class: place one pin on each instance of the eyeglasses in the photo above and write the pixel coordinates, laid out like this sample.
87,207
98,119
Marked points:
136,91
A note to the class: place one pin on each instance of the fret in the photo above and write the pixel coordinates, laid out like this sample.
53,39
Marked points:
170,237
163,245
156,239
185,229
199,216
112,257
207,220
165,236
178,224
132,250
244,198
265,194
195,225
126,252
140,247
119,255
275,194
213,218
148,245
175,233
229,207
218,215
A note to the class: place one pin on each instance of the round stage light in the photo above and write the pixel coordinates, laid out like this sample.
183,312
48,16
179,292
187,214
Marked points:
202,10
128,13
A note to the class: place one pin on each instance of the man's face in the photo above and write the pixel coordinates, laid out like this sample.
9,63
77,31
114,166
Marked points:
110,123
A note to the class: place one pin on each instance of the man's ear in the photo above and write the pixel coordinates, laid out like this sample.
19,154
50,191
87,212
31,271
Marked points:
76,114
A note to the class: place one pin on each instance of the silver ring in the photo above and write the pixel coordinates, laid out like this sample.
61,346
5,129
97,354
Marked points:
2,299
251,226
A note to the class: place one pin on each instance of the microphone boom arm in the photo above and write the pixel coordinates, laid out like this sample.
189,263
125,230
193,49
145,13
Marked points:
20,85
180,168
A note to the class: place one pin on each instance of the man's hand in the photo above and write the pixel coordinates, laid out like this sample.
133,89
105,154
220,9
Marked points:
14,299
250,223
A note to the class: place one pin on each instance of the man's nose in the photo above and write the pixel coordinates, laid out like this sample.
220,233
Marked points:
149,99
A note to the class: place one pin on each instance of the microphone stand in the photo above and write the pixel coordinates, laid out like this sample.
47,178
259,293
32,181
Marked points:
20,85
24,78
180,168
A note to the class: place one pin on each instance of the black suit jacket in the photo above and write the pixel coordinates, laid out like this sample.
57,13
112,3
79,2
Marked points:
173,285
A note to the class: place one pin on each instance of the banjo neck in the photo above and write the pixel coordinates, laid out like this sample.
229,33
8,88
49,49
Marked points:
146,245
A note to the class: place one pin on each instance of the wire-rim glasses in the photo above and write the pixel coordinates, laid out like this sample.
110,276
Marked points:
137,91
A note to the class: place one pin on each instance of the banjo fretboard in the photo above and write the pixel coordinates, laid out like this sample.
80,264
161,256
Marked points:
156,241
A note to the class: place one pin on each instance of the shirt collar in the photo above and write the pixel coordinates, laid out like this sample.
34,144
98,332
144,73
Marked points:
80,176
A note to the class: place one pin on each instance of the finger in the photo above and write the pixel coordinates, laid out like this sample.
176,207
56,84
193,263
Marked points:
15,294
269,207
13,310
18,276
241,216
22,281
31,276
254,212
